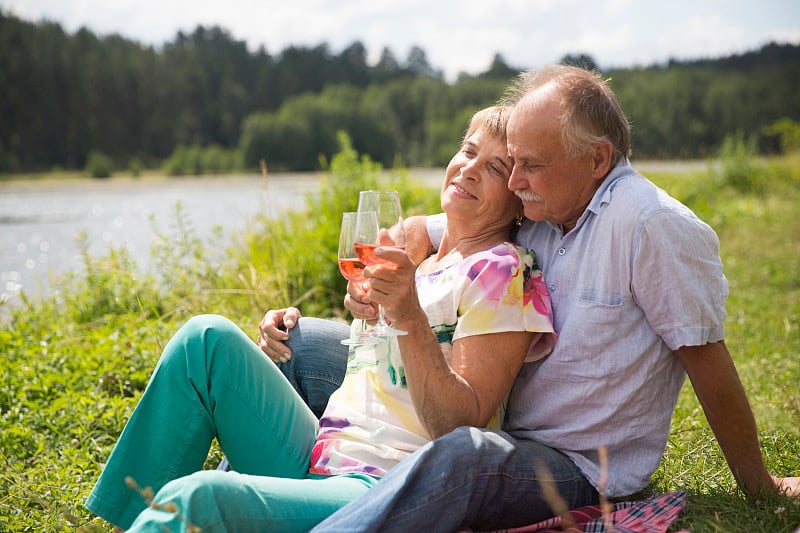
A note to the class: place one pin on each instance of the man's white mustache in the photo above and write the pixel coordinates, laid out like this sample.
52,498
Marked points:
528,196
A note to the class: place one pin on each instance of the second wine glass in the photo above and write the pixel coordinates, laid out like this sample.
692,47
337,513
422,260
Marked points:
351,266
386,205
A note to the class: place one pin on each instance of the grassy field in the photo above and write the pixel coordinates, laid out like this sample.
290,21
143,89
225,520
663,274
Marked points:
73,367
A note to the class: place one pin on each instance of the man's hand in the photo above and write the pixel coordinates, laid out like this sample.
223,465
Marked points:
272,333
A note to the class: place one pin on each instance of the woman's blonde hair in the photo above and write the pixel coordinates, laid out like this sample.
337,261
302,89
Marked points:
492,120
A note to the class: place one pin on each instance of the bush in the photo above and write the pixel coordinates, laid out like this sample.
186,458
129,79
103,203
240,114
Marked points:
175,165
99,165
135,167
196,160
788,133
293,262
739,164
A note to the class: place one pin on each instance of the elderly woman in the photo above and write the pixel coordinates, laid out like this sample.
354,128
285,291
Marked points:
474,313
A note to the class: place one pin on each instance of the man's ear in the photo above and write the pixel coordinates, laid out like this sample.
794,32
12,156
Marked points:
602,156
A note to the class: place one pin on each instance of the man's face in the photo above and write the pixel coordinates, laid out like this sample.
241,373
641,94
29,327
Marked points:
552,187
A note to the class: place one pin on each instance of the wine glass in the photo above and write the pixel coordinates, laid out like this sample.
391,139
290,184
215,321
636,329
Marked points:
351,267
386,205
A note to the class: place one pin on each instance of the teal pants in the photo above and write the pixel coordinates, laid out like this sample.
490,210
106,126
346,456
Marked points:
213,381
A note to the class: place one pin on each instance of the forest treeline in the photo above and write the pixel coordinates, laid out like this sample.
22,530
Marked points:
205,103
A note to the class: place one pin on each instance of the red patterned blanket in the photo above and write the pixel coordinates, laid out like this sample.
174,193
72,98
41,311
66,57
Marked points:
653,515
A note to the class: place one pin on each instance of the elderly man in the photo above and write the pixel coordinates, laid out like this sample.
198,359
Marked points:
638,295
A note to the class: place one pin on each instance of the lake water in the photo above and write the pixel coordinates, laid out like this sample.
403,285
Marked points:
40,220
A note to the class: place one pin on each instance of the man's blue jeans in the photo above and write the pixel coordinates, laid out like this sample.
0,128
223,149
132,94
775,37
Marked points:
471,478
319,360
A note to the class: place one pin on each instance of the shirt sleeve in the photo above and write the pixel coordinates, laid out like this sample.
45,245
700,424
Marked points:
678,279
505,291
435,225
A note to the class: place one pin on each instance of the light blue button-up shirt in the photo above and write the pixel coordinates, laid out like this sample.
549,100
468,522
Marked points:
638,277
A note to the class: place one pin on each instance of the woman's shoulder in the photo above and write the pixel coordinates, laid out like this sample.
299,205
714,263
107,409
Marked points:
504,257
510,251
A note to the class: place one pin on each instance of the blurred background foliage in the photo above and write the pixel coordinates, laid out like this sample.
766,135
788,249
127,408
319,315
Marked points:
203,103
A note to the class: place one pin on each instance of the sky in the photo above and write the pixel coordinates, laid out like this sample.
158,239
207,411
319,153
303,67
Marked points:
456,35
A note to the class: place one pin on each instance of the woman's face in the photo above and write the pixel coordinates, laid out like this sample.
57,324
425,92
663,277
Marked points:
475,189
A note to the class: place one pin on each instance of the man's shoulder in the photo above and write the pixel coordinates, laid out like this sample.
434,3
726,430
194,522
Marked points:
633,196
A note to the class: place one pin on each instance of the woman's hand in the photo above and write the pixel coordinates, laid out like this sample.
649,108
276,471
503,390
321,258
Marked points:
358,303
392,285
272,333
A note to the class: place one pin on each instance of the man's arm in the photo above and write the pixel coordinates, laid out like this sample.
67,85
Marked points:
418,242
717,385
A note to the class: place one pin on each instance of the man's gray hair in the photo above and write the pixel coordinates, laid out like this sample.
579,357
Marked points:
590,111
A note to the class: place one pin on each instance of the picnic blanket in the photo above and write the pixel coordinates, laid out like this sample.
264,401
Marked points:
652,515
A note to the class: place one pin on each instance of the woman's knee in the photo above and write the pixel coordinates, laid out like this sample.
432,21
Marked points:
200,340
195,496
201,325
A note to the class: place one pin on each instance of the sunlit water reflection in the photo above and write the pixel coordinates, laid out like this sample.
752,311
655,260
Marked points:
40,220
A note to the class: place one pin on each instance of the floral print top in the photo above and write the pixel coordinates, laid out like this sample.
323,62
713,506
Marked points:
370,423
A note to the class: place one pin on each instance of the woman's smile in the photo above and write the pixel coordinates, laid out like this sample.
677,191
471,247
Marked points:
461,192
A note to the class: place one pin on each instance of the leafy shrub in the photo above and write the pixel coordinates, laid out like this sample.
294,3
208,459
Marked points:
176,164
196,160
739,164
289,258
788,133
99,165
135,167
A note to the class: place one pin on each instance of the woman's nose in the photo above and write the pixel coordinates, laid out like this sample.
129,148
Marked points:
471,170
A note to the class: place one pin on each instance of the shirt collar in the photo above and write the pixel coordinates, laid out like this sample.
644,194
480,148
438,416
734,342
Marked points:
603,193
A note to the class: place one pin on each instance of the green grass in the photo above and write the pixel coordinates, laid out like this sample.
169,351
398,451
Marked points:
72,368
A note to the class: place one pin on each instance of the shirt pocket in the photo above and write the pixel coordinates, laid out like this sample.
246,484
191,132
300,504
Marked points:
597,308
590,339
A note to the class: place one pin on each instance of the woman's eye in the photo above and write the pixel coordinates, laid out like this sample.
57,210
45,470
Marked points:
498,170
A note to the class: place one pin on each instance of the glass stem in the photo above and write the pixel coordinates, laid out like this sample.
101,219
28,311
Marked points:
381,318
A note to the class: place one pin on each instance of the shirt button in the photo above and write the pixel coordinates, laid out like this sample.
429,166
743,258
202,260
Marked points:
552,288
562,251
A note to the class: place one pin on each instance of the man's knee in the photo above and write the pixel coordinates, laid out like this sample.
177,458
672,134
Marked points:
310,334
467,445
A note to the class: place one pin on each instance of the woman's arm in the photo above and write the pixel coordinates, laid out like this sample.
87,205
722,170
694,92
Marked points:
482,369
469,390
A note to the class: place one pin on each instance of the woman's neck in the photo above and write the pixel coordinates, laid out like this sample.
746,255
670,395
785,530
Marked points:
457,244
